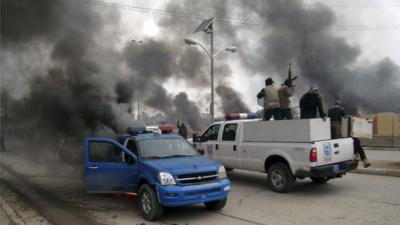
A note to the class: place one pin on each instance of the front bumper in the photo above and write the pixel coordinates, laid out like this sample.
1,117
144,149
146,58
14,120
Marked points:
193,194
333,170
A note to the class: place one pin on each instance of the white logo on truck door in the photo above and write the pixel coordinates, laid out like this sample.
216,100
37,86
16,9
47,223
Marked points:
327,151
209,149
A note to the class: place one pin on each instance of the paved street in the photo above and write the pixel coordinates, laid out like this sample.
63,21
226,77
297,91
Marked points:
56,191
354,199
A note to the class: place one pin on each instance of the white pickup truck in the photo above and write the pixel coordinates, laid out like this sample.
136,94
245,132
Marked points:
284,149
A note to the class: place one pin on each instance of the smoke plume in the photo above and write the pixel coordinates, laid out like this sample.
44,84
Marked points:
301,35
62,70
231,101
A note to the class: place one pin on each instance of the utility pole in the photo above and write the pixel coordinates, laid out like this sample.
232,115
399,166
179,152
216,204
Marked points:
207,27
137,82
211,32
3,106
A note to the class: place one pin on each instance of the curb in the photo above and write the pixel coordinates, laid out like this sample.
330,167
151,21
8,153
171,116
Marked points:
17,209
380,172
377,148
12,215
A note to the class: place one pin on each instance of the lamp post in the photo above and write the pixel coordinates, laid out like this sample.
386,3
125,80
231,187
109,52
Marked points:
137,83
211,55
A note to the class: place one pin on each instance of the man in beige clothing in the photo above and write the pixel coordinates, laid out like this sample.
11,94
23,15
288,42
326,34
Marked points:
285,92
271,100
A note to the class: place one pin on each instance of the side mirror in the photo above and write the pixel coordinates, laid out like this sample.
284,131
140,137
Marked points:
201,151
129,159
196,138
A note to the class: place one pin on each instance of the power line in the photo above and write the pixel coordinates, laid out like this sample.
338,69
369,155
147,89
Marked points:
323,4
233,21
320,4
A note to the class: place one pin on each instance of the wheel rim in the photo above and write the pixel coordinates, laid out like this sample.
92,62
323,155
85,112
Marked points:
146,202
278,178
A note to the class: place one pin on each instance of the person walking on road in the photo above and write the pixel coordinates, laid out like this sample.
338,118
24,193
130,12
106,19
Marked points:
285,92
310,102
271,100
336,112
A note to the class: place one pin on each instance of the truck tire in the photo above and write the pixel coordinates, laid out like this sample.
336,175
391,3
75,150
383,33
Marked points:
215,205
148,204
319,180
280,178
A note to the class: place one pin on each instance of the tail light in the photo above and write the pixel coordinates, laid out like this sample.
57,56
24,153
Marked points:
313,155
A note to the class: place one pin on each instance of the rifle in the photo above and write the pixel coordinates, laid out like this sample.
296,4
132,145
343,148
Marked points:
289,81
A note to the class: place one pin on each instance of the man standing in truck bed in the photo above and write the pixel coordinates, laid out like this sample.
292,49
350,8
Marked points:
309,103
285,92
271,100
336,112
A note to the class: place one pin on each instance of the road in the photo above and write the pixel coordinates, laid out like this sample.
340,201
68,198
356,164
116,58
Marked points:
55,190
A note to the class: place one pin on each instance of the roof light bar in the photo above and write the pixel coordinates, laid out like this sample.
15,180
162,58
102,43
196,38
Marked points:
237,116
166,128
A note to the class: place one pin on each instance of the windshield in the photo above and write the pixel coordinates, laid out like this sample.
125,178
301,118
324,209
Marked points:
165,148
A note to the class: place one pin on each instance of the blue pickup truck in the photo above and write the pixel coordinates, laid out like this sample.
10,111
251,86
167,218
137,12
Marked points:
163,169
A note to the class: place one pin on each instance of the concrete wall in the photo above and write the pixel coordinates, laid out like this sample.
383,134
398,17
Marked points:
385,124
386,130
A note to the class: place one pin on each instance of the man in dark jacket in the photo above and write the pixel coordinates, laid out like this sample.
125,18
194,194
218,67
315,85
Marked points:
336,112
310,102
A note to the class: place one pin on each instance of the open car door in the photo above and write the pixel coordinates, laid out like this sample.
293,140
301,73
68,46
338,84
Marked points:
109,166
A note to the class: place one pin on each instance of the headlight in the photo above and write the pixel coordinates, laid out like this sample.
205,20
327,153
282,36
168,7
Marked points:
221,173
166,178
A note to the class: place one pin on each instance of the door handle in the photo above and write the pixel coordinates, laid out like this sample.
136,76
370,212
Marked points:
234,148
93,167
216,147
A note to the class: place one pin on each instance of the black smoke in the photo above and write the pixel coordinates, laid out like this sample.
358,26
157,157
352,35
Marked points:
301,35
231,100
79,88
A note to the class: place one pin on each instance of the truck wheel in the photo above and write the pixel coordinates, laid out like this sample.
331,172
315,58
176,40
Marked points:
280,178
319,180
215,205
148,204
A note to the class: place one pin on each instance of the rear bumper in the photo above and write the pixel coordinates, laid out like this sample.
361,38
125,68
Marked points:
187,195
333,170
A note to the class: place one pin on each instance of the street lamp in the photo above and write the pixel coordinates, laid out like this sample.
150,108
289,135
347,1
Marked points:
137,82
212,56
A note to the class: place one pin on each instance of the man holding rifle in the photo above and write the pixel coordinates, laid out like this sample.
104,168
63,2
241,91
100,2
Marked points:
285,92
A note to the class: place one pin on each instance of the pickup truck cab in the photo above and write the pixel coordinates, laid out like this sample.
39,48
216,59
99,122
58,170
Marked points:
163,169
281,149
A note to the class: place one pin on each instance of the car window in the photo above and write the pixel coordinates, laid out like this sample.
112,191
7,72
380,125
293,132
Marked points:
212,133
229,133
165,148
104,152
